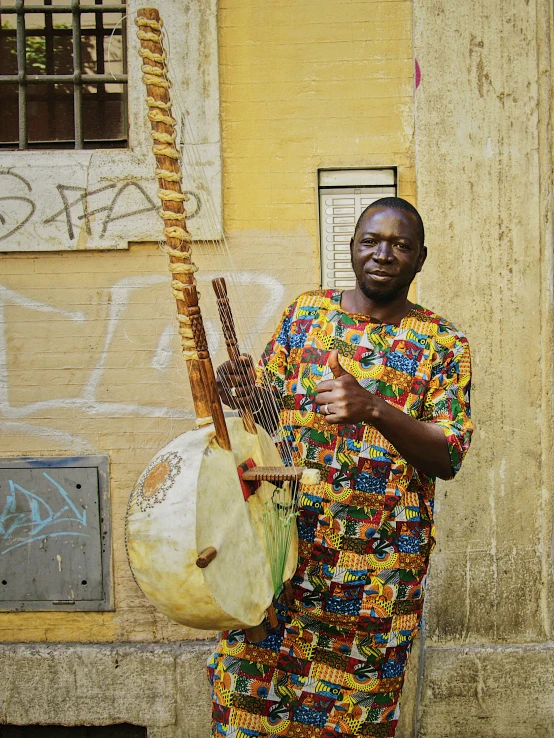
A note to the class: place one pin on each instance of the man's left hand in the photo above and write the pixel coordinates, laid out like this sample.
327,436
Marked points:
343,400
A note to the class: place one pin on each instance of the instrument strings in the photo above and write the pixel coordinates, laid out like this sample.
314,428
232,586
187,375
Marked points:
281,511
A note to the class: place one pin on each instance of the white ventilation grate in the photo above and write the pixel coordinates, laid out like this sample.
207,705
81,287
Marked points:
339,209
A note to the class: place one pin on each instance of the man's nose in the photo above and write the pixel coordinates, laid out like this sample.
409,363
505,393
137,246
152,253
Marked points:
383,252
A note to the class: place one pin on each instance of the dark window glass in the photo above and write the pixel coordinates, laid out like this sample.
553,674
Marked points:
57,95
101,112
9,116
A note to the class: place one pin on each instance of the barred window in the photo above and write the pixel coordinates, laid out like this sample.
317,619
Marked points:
63,74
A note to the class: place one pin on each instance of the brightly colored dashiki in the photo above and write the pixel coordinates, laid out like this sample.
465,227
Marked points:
335,664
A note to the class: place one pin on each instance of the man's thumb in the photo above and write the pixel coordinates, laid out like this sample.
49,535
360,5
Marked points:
336,368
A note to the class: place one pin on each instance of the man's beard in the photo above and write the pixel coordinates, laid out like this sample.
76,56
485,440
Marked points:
384,295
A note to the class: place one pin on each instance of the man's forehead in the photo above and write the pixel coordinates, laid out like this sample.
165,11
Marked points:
389,218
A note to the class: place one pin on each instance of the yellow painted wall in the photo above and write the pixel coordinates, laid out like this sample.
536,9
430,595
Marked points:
307,85
303,85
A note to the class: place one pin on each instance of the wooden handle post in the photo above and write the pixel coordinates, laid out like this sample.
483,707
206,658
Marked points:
231,341
211,391
205,557
178,239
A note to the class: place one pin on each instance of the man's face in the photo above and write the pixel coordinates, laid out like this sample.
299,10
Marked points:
386,254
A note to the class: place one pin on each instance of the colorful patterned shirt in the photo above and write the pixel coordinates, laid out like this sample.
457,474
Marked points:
374,511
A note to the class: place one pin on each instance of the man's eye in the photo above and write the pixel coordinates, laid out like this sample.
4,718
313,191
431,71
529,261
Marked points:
402,245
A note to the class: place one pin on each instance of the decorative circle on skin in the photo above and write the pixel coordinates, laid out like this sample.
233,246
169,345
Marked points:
156,480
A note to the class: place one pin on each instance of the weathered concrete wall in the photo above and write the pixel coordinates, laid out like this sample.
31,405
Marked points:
493,692
152,685
484,176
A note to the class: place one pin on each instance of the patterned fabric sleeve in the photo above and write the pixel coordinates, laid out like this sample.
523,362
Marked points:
447,400
272,368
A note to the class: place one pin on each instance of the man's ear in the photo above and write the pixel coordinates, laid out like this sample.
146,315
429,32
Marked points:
421,259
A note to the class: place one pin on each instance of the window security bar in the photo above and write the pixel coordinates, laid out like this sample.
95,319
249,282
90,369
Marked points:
65,78
21,8
78,79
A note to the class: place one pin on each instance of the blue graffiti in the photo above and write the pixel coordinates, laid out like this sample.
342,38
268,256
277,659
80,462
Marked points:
37,517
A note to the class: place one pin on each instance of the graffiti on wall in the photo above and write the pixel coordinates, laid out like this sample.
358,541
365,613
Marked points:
32,518
16,417
69,211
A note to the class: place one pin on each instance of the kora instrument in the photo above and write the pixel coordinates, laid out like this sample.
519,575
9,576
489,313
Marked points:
210,526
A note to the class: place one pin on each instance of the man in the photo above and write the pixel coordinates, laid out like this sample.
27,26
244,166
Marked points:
394,417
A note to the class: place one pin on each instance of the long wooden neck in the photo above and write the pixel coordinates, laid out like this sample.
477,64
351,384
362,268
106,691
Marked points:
205,396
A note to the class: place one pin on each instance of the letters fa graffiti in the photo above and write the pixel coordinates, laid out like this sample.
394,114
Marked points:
103,205
90,203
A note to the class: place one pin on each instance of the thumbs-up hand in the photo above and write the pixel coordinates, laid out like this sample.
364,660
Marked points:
334,365
342,399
